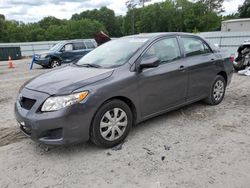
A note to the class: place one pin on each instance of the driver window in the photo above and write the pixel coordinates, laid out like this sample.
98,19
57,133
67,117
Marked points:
165,50
68,47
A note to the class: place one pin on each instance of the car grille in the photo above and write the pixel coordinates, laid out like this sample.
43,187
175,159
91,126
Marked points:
27,103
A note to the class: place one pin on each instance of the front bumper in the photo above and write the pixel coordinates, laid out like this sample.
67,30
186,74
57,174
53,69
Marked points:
42,61
65,126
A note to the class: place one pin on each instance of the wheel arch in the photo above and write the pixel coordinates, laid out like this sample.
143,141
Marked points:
52,57
224,75
126,100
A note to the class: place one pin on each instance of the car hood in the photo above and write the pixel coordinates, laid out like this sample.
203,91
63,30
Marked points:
67,79
43,53
46,52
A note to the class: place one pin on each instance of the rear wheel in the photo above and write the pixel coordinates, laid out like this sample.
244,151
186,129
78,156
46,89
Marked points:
111,123
217,91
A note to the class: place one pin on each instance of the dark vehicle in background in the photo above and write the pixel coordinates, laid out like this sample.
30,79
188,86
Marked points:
65,52
242,61
121,83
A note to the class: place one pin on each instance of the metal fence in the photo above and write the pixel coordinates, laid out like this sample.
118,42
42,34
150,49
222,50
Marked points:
229,41
31,48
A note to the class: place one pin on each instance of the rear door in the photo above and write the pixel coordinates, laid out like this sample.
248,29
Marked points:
165,86
79,50
201,63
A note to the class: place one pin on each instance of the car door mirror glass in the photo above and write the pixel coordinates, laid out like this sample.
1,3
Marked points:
150,62
62,49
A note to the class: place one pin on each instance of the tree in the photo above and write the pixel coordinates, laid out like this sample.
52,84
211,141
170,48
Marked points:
2,17
171,16
105,16
74,29
214,5
166,16
231,16
244,10
46,22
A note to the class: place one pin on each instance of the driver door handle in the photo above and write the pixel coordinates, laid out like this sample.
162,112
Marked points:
182,68
213,60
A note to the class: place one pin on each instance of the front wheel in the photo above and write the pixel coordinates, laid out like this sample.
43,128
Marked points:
55,63
111,124
217,91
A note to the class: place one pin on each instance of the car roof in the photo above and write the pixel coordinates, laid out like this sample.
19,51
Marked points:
156,35
77,40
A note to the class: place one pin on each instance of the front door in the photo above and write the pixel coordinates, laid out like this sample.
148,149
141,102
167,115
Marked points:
165,86
67,53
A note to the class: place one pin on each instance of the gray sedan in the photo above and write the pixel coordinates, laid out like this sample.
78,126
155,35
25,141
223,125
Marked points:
121,83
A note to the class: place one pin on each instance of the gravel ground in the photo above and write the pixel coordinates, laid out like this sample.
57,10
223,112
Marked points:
196,146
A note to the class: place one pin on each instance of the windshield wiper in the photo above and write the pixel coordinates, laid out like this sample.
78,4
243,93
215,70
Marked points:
88,65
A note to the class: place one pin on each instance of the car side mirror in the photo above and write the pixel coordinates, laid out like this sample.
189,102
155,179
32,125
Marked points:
149,63
62,50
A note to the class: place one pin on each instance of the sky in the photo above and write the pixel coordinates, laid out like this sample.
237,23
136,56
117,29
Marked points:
35,10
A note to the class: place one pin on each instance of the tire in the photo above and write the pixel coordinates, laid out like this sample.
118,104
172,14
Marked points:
112,115
55,63
217,91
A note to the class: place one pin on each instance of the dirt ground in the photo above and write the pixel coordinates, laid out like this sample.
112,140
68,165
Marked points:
196,146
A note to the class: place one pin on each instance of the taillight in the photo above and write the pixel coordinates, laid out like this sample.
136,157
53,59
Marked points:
231,58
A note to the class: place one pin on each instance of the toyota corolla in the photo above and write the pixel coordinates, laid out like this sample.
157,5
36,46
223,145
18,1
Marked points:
121,83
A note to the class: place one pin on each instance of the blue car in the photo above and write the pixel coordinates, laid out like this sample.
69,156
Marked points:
65,52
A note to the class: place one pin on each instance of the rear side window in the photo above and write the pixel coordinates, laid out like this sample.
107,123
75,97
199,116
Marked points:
165,50
79,46
194,46
89,44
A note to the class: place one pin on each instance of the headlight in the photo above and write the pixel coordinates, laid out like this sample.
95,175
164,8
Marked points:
43,55
59,102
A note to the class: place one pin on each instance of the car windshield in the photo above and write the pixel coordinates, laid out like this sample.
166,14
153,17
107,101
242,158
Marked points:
56,47
112,54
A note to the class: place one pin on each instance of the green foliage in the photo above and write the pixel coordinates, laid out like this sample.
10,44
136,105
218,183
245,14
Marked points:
2,17
244,10
49,28
106,17
214,5
231,16
50,20
172,16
